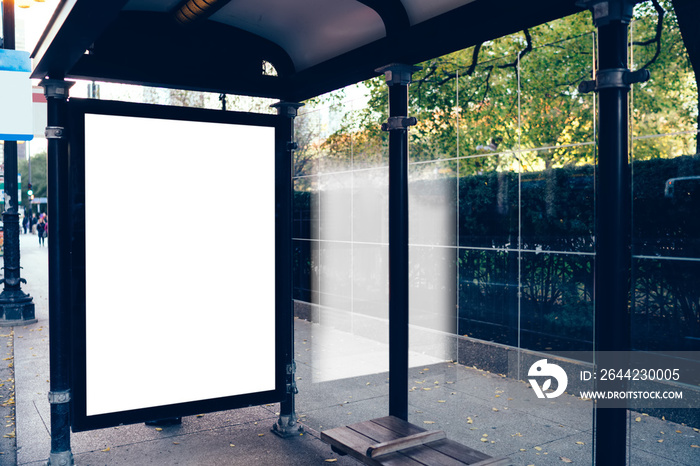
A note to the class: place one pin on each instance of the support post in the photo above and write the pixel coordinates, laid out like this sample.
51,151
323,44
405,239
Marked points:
612,275
287,425
56,91
398,77
16,306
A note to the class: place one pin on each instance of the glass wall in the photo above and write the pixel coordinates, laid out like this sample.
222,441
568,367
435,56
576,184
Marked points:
502,193
502,176
666,225
341,261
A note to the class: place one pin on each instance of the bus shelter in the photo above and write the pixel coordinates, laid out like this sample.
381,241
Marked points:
285,50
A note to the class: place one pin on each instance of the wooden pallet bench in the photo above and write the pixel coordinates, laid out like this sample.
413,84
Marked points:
390,441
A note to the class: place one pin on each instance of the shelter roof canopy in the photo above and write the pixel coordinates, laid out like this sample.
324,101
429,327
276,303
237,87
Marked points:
315,46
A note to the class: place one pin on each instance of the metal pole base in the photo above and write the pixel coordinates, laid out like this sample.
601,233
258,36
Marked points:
17,313
64,458
287,426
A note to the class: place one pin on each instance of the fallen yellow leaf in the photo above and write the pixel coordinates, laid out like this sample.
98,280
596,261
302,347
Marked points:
638,419
231,445
106,449
660,441
484,440
538,448
695,446
331,460
428,422
495,410
176,443
441,401
485,435
158,429
260,435
565,459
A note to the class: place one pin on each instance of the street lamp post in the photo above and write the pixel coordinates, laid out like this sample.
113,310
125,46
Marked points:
16,306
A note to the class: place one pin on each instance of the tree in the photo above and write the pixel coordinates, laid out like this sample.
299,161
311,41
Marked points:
520,92
38,178
688,15
667,103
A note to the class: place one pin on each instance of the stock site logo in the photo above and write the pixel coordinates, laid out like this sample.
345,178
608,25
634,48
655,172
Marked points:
542,368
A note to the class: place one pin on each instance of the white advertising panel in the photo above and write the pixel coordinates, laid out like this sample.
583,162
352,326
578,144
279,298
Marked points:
179,261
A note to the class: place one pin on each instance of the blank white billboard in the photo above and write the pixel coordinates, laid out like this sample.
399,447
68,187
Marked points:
179,261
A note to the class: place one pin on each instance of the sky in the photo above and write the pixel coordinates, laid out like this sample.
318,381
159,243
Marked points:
35,19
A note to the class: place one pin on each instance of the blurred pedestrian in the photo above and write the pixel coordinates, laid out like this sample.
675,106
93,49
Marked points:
41,230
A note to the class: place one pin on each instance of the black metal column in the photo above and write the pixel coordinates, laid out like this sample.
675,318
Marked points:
613,227
287,425
612,279
58,178
16,307
398,77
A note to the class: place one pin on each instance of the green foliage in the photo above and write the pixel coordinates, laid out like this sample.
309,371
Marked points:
520,92
667,103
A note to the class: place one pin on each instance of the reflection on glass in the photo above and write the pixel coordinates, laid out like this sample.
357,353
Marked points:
305,208
557,203
666,305
557,302
666,201
432,300
488,295
370,205
432,203
335,199
488,202
665,300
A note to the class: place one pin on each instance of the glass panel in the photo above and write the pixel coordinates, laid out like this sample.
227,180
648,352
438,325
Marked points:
557,302
432,203
341,262
666,197
665,225
558,133
488,295
666,306
370,205
335,201
488,201
306,208
558,203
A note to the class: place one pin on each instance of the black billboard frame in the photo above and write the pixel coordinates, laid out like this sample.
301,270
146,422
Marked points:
76,111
